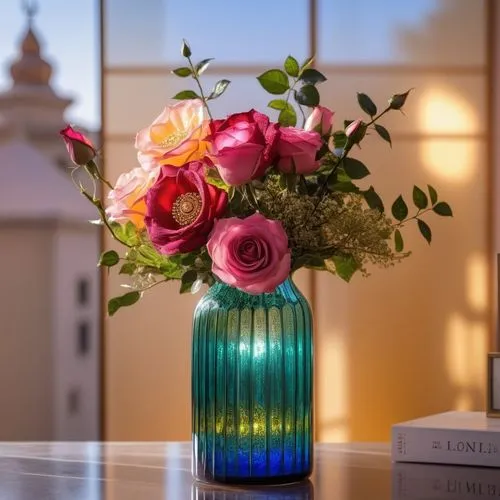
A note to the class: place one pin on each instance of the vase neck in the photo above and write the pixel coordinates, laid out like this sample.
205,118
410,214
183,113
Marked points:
286,292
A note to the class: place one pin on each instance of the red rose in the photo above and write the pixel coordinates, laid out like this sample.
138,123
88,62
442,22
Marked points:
80,149
242,146
181,208
297,150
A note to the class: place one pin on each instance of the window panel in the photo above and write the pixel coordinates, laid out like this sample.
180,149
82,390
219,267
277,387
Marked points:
395,32
239,33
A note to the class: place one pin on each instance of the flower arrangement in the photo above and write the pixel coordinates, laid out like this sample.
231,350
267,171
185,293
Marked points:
245,200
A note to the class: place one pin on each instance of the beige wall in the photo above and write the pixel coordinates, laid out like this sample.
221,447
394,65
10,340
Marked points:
25,357
405,342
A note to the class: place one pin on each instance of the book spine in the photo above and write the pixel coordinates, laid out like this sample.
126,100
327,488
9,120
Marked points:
436,482
445,446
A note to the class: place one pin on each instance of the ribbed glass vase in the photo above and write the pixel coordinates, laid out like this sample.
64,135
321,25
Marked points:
252,371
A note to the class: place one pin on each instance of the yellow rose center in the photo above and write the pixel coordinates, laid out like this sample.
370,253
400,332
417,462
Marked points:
186,208
173,139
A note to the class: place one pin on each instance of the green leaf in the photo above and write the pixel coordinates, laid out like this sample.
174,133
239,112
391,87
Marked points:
312,76
366,104
109,259
213,177
287,117
307,63
442,208
125,300
292,66
219,88
419,198
187,280
126,232
345,266
308,95
354,168
384,133
398,241
399,209
274,81
339,139
202,66
188,259
425,230
342,187
278,104
185,49
128,268
186,94
309,261
182,72
433,194
373,199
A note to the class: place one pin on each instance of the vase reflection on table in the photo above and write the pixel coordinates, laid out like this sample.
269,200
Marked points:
300,491
252,386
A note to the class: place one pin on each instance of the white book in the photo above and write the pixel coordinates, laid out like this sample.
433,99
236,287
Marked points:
440,482
455,437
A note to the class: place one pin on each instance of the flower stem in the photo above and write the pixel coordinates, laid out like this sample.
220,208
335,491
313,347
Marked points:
197,78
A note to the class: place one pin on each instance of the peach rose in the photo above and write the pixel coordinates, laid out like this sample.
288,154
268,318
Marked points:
128,198
175,138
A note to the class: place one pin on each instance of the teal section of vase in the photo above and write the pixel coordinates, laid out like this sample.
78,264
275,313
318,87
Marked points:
252,376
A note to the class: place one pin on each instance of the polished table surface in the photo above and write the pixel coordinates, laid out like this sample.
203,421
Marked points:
150,471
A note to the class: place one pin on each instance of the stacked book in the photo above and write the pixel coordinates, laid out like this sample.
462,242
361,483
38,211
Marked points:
433,457
455,437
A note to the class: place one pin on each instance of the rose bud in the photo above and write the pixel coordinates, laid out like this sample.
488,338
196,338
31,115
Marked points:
355,131
320,120
80,149
397,101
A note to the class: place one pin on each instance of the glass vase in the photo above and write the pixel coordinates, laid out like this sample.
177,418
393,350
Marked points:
252,375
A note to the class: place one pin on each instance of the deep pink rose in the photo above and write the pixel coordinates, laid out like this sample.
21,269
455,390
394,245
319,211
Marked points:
242,146
181,208
250,254
320,120
297,150
80,148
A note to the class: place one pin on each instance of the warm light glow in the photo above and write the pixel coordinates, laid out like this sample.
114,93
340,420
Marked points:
332,390
449,159
457,352
464,402
444,111
466,346
476,276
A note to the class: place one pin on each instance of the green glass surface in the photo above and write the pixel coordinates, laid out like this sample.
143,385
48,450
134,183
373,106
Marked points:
252,373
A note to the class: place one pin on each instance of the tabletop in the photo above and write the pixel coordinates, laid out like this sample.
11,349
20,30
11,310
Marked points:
150,471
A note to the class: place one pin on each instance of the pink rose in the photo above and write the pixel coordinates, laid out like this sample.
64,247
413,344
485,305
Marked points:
242,146
320,120
80,148
127,201
181,208
297,150
250,254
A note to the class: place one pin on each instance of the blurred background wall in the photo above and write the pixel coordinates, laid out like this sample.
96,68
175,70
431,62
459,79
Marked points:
407,341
